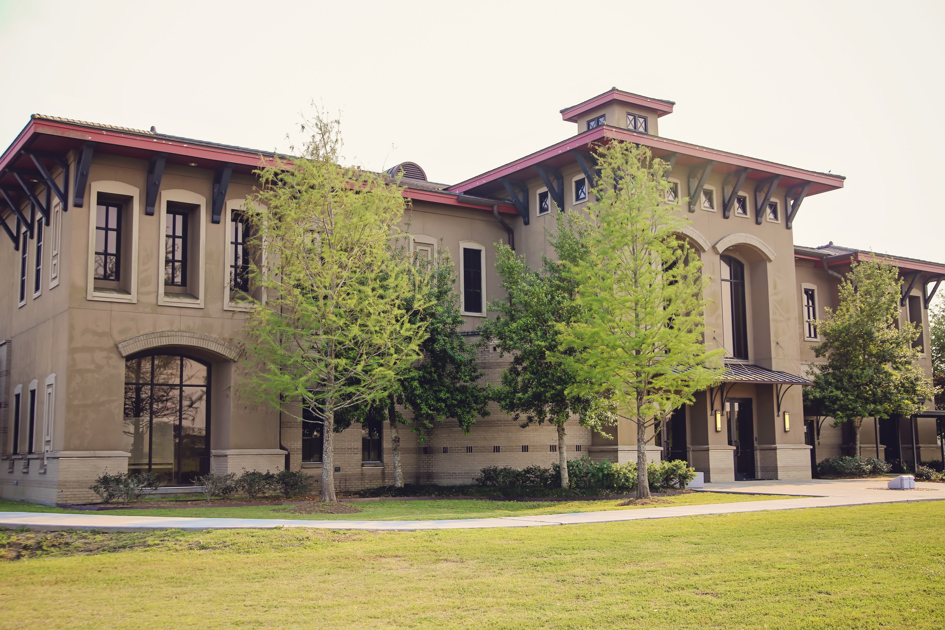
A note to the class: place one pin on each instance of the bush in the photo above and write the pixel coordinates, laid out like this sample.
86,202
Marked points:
124,488
108,487
852,467
673,474
131,487
924,473
255,483
290,483
584,474
223,486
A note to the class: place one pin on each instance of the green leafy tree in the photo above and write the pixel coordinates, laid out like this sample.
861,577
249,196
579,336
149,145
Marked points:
872,370
339,324
937,334
641,292
537,385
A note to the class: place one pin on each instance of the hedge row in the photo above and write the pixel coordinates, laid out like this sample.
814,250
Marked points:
586,474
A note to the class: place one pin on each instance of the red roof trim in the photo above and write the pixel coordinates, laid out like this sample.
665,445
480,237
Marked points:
452,200
654,142
911,265
18,144
662,108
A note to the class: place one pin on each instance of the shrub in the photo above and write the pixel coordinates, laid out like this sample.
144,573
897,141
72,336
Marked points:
255,483
878,466
131,487
924,473
584,474
108,487
674,474
852,467
223,486
290,483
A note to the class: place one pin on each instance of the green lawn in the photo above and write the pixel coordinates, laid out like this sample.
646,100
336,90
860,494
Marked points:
407,510
876,566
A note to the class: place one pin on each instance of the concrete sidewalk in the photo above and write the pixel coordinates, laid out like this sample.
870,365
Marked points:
803,494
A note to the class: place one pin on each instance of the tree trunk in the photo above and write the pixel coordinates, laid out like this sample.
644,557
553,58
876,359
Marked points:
328,451
643,478
563,457
395,443
857,425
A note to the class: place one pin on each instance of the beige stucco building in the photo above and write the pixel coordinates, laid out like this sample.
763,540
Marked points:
120,328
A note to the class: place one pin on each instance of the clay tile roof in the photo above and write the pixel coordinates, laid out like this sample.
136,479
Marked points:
746,373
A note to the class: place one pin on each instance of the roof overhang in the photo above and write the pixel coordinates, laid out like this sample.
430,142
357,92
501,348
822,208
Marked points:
757,375
661,107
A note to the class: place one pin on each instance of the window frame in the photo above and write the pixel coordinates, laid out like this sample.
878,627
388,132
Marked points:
229,303
462,278
745,336
17,418
715,199
587,193
538,194
747,199
24,267
596,121
777,205
678,184
183,237
119,210
49,413
129,291
636,123
915,299
31,418
311,463
39,248
195,294
55,226
805,327
372,422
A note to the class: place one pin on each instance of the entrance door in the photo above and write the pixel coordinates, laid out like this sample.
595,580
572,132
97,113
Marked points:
166,417
741,435
674,446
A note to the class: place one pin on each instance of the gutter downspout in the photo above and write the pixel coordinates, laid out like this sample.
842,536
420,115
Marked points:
829,270
508,228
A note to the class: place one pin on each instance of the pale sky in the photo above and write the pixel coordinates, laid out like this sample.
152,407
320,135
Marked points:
854,88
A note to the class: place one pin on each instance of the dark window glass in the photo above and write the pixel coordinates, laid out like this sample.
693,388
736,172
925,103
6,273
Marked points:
810,312
32,421
773,211
175,248
741,206
672,194
107,242
708,199
239,263
733,308
544,202
636,122
313,442
580,190
16,423
371,432
472,280
166,423
596,122
38,263
24,244
915,316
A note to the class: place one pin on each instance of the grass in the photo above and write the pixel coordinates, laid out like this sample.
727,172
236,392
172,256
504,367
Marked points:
405,510
872,566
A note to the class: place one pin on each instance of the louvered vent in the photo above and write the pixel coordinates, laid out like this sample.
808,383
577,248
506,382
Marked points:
411,170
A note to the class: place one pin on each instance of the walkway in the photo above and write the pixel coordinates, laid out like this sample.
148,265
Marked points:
802,494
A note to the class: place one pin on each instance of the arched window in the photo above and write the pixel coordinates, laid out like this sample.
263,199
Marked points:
167,420
734,317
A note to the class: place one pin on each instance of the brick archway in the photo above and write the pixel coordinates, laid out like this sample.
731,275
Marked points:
179,339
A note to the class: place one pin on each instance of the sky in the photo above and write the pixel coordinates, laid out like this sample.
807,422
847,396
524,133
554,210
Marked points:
854,88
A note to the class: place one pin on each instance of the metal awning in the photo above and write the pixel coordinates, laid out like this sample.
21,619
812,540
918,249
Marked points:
757,375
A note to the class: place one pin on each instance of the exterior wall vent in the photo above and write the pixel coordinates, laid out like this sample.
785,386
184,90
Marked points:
411,170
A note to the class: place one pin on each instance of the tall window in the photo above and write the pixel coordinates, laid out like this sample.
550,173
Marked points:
239,264
473,280
38,263
734,317
24,248
580,189
810,313
312,437
16,420
915,316
371,432
31,419
544,202
672,193
175,248
108,242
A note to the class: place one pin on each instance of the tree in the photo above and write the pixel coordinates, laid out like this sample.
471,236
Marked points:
641,291
536,384
338,327
872,370
937,334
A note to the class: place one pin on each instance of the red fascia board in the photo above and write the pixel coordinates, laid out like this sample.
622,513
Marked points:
452,200
910,265
13,151
662,108
653,142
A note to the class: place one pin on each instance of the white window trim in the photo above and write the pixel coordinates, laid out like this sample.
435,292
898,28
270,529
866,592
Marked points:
747,206
538,211
229,304
807,285
49,413
423,239
31,418
128,249
462,278
19,262
39,220
17,391
168,299
574,201
780,208
715,199
922,321
679,195
55,243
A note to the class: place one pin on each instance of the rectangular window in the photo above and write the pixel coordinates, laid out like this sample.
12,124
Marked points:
915,316
371,432
708,199
24,250
734,315
524,448
810,313
741,206
32,420
108,242
636,122
580,189
773,214
239,264
38,262
16,422
56,239
672,193
544,202
473,285
496,449
469,449
312,436
446,450
175,248
553,448
596,122
49,412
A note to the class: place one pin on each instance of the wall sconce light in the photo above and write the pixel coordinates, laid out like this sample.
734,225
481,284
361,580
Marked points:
718,420
787,421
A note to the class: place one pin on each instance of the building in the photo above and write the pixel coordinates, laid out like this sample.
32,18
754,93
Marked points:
119,327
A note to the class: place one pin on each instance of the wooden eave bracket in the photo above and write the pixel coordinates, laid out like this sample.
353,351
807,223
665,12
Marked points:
908,290
761,201
83,165
733,183
586,161
518,191
697,182
10,233
221,182
794,199
554,182
670,160
928,295
155,174
48,178
21,218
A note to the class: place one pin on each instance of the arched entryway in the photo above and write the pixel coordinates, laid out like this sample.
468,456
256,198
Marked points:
167,416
